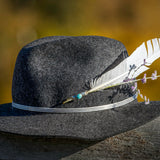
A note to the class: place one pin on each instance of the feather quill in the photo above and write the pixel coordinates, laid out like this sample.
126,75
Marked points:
149,52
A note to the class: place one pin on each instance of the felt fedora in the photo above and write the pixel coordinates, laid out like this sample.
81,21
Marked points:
50,78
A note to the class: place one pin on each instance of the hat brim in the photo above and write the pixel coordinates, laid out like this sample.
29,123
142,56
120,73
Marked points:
87,126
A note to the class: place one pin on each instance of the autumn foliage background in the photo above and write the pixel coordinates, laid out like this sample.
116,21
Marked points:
22,21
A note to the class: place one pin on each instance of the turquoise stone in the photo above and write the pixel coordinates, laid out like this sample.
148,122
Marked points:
79,96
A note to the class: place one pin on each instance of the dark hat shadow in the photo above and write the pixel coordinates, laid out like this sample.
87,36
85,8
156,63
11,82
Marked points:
31,147
36,147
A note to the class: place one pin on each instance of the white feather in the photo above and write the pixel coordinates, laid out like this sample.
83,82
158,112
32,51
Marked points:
115,75
121,71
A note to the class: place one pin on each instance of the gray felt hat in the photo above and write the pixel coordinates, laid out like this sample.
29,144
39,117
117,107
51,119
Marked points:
50,70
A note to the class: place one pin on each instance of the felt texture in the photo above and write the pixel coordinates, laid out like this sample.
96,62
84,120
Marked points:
51,69
141,143
85,126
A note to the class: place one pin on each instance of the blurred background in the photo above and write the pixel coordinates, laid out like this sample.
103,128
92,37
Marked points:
22,21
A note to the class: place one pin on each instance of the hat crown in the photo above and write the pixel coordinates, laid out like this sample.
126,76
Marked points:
51,69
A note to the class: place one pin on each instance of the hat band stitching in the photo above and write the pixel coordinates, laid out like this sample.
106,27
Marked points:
74,110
